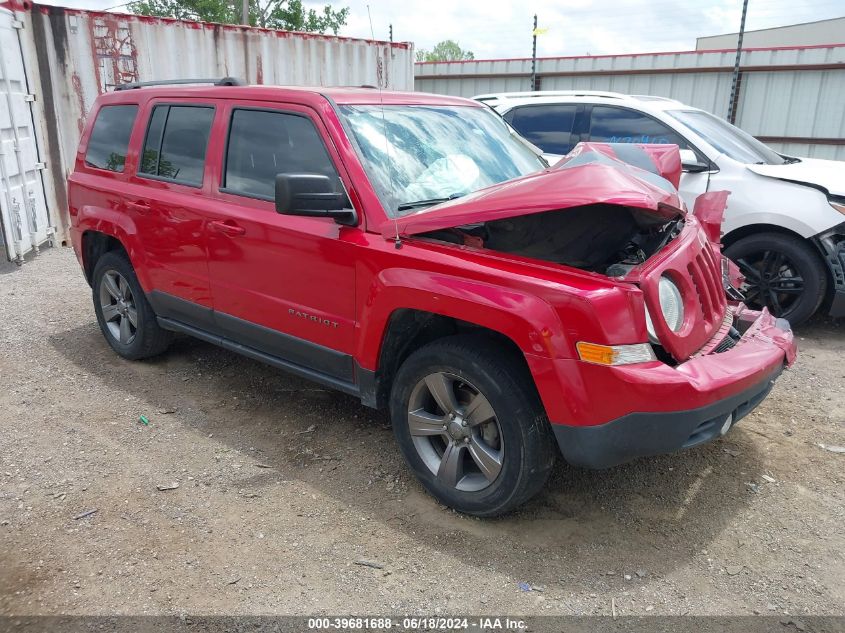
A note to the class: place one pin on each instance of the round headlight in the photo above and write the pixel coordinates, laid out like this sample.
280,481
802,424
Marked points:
671,305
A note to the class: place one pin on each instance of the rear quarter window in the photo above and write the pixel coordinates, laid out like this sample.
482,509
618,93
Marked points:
109,138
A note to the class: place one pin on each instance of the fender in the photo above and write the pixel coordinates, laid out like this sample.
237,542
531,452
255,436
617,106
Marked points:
800,209
529,321
764,218
121,227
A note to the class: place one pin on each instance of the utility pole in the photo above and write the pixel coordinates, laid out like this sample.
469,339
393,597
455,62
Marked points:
391,34
735,82
534,56
245,12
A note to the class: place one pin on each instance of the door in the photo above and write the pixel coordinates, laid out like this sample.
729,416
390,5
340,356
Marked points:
169,204
24,218
548,126
611,124
281,284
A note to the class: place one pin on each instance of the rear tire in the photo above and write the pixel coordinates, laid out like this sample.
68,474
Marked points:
782,273
126,318
502,456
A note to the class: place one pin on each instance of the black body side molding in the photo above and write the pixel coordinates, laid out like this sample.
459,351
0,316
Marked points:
323,365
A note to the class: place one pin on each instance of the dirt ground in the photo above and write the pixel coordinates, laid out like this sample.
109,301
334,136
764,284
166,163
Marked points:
283,486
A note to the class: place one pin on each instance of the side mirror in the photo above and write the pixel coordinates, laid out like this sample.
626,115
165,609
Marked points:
691,163
312,195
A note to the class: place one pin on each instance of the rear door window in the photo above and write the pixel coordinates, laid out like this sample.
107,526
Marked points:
549,127
176,142
109,139
263,144
618,125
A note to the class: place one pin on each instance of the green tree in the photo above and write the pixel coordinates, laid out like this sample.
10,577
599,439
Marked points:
445,51
289,15
115,162
150,164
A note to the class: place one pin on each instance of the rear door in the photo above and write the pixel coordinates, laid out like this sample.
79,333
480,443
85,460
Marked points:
170,206
282,284
24,219
548,126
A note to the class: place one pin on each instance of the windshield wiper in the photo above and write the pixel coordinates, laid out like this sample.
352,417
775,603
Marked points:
407,206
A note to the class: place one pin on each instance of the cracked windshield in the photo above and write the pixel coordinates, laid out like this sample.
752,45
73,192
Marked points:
418,156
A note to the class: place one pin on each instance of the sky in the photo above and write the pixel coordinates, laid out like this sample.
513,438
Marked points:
502,28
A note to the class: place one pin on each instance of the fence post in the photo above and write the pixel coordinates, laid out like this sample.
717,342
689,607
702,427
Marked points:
735,81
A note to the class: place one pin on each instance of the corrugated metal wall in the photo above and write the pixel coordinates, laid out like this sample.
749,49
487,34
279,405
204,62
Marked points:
73,55
793,98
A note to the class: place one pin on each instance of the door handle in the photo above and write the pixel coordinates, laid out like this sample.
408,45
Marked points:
227,227
140,206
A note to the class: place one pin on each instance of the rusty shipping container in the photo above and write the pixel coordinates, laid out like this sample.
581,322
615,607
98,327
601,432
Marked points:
70,56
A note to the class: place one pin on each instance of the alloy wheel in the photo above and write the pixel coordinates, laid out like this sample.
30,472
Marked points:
117,303
771,280
455,432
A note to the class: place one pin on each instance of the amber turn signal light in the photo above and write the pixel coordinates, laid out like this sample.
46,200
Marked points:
614,354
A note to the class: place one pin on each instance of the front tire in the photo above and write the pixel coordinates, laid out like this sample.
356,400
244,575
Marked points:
782,273
126,318
471,426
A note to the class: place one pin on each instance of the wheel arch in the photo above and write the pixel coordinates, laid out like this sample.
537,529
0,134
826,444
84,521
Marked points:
95,244
409,329
751,229
812,246
396,297
103,229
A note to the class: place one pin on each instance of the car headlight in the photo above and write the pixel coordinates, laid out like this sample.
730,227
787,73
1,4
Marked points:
671,305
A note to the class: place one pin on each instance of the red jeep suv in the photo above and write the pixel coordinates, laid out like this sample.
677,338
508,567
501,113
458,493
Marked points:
413,251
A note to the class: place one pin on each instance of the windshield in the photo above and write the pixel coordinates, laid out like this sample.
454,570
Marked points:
728,139
417,156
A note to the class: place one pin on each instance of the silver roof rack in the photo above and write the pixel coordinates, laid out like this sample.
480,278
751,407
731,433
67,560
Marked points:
539,94
224,81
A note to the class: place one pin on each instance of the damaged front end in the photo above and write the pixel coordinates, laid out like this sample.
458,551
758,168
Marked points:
707,361
607,239
612,210
592,211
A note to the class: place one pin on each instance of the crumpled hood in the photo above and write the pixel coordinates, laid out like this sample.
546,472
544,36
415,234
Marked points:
814,172
590,174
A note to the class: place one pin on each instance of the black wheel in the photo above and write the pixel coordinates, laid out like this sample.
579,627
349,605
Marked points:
125,316
470,424
782,273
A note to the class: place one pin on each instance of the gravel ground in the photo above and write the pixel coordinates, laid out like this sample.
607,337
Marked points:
283,486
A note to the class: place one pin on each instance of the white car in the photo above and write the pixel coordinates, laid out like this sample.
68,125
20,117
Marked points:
785,221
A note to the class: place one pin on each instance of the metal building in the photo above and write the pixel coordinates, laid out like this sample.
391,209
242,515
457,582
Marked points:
55,61
830,31
791,98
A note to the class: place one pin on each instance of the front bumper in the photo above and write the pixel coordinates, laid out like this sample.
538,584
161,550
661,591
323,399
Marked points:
832,246
645,434
718,390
